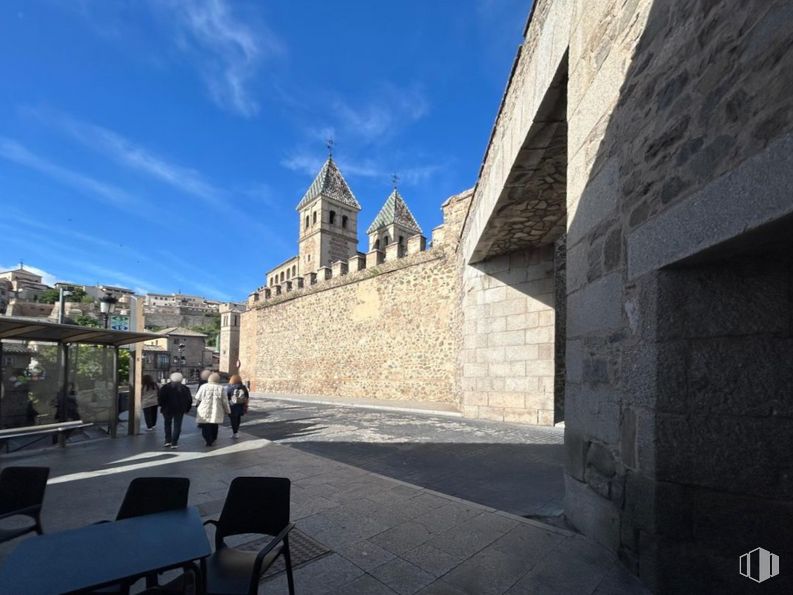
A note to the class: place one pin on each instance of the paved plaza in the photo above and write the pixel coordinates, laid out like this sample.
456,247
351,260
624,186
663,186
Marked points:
511,467
385,535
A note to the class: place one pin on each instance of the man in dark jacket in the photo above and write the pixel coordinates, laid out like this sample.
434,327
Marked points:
175,400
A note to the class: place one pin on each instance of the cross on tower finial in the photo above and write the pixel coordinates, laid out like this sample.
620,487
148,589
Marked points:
330,143
395,180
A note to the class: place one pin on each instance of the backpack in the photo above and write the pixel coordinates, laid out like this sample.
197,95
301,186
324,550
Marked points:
238,397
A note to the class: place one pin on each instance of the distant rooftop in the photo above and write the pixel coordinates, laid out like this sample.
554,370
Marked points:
180,331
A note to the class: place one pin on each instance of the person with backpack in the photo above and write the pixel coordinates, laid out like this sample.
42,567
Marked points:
211,407
175,400
238,396
149,399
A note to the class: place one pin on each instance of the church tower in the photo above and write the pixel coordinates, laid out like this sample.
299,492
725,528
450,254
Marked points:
394,223
328,215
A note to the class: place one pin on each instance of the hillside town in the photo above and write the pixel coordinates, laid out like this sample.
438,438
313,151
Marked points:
190,325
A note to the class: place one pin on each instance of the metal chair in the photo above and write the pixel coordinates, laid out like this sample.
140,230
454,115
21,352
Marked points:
150,495
253,505
22,493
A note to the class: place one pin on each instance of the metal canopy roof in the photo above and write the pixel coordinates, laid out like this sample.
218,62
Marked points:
33,329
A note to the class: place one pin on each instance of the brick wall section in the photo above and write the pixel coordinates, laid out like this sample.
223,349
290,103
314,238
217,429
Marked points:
390,331
508,338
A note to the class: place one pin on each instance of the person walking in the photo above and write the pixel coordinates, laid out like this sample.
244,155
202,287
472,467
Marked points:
238,396
149,400
175,400
211,407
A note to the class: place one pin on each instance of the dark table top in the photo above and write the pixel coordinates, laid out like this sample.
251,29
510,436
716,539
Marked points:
102,554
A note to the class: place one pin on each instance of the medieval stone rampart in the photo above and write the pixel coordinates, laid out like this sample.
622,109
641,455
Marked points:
382,326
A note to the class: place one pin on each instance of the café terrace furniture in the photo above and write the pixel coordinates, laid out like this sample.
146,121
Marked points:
105,554
253,505
150,495
22,494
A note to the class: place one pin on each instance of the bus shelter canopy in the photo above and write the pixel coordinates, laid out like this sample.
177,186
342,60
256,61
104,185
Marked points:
32,329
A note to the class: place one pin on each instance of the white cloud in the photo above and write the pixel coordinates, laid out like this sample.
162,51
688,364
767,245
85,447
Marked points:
226,51
310,164
13,151
132,155
389,110
136,157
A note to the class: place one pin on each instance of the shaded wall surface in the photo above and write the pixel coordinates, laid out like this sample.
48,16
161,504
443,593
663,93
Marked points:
677,182
679,117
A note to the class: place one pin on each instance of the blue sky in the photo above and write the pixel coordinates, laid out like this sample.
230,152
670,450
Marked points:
163,145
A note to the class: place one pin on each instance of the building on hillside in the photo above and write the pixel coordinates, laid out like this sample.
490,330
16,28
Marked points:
6,292
186,350
25,285
229,340
156,362
177,309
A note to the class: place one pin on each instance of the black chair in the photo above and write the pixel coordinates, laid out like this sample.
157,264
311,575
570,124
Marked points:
22,493
150,495
253,505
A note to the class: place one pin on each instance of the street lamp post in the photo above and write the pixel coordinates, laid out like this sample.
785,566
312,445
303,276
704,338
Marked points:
62,304
106,305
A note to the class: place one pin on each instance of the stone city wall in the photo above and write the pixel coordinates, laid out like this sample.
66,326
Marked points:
384,329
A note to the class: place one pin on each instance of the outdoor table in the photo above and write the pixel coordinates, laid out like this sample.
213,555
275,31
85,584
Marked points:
104,554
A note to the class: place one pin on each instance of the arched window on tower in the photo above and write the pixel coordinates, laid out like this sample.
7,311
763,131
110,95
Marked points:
377,244
282,276
288,273
306,221
332,218
294,270
344,221
314,218
385,241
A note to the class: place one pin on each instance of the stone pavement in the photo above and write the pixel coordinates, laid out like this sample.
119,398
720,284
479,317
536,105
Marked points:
386,536
511,467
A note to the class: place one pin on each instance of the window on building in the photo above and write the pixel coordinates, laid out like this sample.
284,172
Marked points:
314,218
377,244
288,273
282,275
332,219
401,240
385,241
306,221
294,270
344,221
309,258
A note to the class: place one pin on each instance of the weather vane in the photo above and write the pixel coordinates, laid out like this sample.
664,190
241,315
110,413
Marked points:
395,180
330,143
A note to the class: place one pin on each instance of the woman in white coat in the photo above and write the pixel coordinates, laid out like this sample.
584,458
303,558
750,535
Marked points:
212,406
